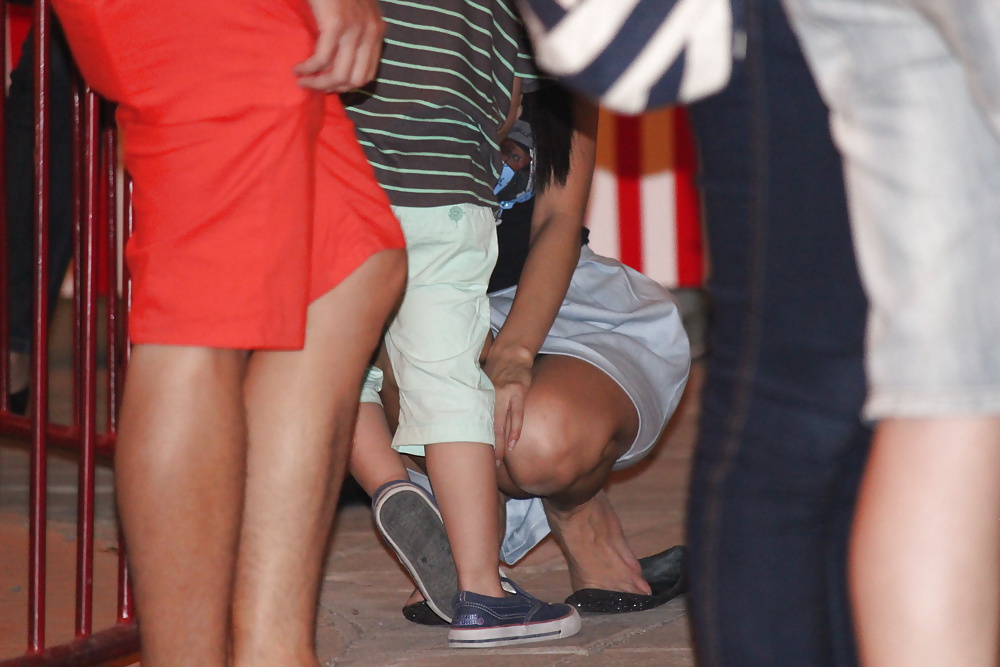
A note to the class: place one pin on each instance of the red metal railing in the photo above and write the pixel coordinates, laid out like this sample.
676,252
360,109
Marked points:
100,223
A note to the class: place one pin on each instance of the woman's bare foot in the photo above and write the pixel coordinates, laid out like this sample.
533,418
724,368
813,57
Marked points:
596,550
415,597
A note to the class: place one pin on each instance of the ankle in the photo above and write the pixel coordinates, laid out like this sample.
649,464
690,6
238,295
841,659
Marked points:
482,585
275,654
307,659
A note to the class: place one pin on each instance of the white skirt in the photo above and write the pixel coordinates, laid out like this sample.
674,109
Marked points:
628,326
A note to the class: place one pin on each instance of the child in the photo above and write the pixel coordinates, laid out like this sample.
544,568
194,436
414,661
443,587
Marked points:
516,147
609,363
448,81
517,181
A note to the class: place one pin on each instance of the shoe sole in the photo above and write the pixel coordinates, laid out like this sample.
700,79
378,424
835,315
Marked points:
509,635
413,528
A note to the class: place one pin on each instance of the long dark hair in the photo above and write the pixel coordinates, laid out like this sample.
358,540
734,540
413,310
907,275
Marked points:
549,112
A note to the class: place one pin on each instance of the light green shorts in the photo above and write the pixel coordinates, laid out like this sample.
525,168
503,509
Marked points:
435,339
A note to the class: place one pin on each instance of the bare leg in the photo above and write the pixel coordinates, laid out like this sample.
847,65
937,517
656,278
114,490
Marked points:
373,460
464,479
180,475
577,422
925,558
596,550
417,596
301,409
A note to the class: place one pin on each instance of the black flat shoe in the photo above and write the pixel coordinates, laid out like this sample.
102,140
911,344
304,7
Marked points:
666,570
666,574
422,614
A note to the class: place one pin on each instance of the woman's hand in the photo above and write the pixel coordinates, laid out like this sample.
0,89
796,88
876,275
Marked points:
347,48
510,372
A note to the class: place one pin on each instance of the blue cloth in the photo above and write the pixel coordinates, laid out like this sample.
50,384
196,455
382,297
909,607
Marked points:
635,55
782,443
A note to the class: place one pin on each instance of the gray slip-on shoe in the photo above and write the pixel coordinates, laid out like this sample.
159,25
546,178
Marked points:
411,524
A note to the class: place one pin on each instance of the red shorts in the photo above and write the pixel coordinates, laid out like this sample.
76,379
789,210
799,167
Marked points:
252,197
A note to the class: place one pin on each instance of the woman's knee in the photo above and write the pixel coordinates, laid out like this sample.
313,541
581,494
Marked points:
557,448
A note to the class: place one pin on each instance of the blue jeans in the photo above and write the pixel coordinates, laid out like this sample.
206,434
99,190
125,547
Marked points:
782,445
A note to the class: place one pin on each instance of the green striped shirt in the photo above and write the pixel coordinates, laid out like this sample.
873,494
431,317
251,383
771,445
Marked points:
429,122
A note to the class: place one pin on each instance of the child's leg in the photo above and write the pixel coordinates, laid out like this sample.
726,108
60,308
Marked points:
301,410
465,486
446,401
373,460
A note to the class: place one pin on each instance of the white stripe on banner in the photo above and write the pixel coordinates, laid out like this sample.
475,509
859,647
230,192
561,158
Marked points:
659,227
602,214
643,207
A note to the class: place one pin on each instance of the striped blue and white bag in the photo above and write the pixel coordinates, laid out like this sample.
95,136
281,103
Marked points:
634,55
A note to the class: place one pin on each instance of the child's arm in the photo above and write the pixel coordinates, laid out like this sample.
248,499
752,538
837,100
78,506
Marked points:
552,257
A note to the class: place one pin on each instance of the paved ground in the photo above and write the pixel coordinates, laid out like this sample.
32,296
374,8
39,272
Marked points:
364,587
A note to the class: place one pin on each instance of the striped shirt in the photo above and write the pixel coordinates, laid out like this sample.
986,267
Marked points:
429,122
634,55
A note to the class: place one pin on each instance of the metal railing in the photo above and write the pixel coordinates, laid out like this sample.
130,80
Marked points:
100,225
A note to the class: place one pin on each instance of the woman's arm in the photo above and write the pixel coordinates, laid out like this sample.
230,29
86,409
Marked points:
552,257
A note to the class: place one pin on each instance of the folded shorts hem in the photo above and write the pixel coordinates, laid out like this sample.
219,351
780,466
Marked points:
411,439
985,402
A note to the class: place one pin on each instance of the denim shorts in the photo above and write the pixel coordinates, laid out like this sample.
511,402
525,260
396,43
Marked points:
914,93
436,337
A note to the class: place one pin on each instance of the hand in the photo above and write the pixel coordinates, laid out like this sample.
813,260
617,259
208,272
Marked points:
511,377
347,48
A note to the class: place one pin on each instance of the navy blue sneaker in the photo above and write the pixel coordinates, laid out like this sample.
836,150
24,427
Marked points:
481,621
